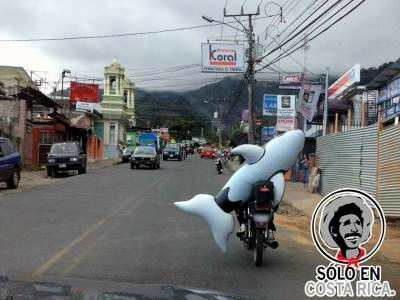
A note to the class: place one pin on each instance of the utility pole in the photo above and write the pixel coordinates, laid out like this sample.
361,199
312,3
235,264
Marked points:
250,66
325,120
220,107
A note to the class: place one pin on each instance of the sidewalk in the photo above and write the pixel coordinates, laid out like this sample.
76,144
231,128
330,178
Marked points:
298,201
30,179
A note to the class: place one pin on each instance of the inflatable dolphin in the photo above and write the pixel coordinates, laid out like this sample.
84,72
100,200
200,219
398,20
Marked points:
261,163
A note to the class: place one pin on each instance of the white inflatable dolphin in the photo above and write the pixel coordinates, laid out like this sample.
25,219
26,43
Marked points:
261,163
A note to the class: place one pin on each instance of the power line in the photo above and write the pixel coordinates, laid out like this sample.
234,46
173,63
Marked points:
283,55
317,27
115,35
304,28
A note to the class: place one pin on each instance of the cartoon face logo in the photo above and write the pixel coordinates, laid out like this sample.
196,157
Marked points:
345,224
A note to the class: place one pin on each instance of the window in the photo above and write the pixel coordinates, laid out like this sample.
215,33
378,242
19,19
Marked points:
111,138
46,137
4,148
113,83
126,96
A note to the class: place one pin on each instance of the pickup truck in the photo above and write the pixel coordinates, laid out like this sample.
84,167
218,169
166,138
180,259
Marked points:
10,164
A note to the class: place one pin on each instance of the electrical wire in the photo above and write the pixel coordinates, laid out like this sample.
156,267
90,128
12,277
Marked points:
115,35
287,53
320,25
304,28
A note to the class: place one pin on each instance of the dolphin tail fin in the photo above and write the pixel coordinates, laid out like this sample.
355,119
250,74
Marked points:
220,222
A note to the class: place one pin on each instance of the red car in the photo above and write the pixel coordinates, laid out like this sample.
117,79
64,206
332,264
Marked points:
207,153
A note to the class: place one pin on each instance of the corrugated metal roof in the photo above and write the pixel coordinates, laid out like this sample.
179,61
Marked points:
385,76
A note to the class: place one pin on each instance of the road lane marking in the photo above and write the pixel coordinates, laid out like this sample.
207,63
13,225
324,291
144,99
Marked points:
60,254
77,260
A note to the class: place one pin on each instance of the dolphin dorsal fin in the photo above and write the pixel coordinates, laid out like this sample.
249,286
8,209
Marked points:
251,153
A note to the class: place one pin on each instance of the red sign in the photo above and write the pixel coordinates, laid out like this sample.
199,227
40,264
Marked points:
83,92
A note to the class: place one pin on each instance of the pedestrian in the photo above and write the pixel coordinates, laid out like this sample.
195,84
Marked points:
295,168
305,164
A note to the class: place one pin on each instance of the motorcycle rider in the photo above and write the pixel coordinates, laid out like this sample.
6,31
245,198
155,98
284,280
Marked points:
219,164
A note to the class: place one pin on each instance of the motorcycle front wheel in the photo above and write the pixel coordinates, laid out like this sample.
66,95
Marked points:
259,248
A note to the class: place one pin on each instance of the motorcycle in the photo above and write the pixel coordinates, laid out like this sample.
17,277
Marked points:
219,166
258,219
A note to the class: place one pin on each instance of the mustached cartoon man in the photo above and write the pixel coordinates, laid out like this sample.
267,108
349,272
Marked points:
346,224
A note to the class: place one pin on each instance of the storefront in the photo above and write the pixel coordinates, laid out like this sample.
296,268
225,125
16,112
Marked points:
388,85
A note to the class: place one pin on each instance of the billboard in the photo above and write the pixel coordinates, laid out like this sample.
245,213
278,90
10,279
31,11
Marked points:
343,83
84,106
290,81
389,91
308,100
222,58
286,105
84,92
131,137
267,133
270,105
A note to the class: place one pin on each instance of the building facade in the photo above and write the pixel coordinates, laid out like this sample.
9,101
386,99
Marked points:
117,108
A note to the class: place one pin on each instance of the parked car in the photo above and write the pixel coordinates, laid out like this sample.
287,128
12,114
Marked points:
208,153
66,156
172,151
10,164
127,153
145,156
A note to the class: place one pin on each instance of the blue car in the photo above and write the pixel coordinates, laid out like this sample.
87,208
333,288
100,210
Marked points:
10,164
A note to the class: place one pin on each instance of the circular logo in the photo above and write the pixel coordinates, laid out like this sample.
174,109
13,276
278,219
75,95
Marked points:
343,226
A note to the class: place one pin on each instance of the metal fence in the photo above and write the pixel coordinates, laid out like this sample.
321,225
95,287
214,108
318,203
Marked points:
389,170
351,159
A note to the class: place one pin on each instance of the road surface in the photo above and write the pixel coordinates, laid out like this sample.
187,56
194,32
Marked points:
120,224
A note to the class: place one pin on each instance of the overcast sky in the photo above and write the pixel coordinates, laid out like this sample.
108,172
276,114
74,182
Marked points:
369,36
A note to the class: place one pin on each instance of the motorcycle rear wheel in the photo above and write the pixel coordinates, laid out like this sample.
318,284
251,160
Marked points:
259,248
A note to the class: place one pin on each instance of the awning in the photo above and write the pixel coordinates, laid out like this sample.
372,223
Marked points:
385,76
38,96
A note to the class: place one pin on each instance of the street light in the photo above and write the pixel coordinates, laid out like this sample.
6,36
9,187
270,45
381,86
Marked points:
208,19
211,20
65,71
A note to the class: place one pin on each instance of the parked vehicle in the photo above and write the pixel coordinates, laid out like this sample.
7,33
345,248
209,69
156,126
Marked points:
208,153
149,139
258,220
145,156
10,164
64,157
172,151
127,153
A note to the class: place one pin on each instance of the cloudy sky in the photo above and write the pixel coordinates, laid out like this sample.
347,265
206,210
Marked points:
368,36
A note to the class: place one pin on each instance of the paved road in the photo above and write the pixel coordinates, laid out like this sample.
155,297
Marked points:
119,224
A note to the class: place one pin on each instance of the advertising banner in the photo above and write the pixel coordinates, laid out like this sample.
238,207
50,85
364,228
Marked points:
308,100
131,137
79,120
84,92
164,134
270,105
285,124
84,106
290,81
389,91
267,133
343,83
222,58
286,106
